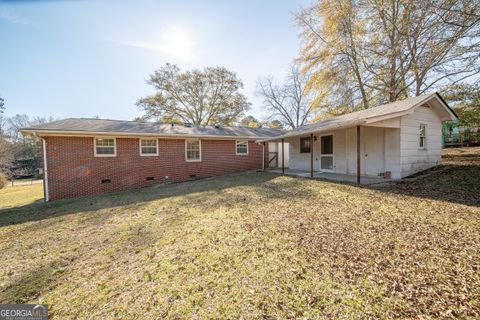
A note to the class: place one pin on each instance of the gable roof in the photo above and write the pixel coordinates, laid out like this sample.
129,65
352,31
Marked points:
383,112
92,127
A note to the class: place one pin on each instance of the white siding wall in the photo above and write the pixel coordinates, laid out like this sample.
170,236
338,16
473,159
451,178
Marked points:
301,161
277,147
389,149
379,151
340,151
351,147
412,158
381,144
392,152
280,155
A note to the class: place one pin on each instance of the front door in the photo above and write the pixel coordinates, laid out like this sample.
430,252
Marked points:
326,153
374,151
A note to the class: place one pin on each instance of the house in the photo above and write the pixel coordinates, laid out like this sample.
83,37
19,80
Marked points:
394,140
92,156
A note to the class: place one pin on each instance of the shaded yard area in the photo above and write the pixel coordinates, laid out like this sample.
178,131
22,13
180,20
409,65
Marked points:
254,246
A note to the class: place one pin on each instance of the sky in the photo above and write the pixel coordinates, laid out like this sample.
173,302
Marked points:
86,58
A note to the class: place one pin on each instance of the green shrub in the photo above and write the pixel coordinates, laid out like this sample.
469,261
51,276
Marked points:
3,180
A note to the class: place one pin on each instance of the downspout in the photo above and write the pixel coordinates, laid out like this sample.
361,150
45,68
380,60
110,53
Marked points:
311,155
263,156
358,155
45,171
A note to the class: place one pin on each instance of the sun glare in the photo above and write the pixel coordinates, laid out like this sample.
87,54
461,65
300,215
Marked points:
178,43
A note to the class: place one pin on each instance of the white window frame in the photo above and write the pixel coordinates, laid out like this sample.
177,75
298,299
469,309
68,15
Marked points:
105,155
424,137
237,142
326,155
148,154
199,148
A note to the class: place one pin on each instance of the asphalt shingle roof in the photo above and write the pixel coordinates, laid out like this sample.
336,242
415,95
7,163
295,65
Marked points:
386,109
358,117
82,125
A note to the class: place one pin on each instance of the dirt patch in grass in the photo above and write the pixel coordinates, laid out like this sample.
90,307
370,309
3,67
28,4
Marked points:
251,246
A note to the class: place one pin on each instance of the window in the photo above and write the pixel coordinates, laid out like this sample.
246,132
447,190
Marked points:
326,144
326,153
148,147
105,147
305,145
193,150
242,147
422,142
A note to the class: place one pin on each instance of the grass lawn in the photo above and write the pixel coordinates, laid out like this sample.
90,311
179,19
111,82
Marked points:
20,195
254,246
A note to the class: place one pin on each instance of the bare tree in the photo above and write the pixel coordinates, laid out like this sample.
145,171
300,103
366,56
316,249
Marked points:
15,123
379,51
19,155
290,103
2,105
6,156
332,52
250,122
200,97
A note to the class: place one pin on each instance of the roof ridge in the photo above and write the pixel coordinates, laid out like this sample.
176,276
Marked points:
167,123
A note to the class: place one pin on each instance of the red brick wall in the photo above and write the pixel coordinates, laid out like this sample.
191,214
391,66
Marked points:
74,171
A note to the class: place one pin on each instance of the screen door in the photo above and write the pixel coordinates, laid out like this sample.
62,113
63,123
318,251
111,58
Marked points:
326,154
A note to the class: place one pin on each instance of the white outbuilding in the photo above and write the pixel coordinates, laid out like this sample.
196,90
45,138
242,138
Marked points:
394,140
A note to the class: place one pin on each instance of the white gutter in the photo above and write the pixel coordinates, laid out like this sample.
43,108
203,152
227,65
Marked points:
45,170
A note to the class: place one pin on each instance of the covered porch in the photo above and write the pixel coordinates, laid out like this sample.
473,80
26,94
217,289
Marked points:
362,154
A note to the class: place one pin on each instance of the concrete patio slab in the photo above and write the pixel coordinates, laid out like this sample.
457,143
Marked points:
332,176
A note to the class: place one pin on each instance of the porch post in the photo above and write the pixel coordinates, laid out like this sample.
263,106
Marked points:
311,155
358,154
263,156
283,157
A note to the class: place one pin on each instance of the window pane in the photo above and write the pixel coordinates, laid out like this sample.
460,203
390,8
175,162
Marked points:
304,145
193,150
242,147
422,130
148,146
327,144
149,150
105,146
105,150
193,155
422,134
105,142
327,163
149,143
